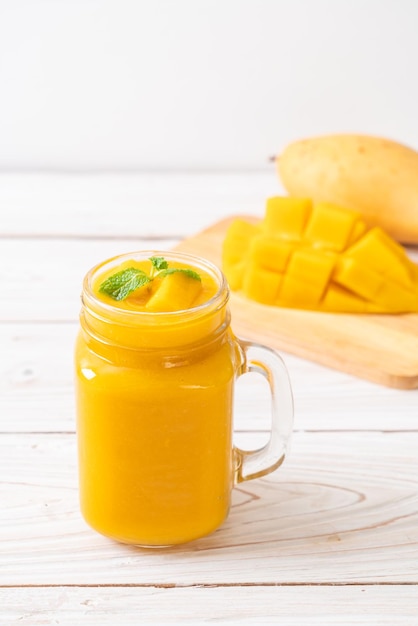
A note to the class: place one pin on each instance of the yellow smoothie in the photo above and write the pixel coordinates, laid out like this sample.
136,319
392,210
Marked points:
154,388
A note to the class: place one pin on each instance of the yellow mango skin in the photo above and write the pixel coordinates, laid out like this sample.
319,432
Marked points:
374,176
333,263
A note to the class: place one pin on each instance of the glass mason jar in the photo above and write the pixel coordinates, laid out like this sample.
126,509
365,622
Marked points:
154,395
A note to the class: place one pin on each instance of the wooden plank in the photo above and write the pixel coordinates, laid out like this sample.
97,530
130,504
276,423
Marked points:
36,377
342,509
127,204
38,397
380,348
375,605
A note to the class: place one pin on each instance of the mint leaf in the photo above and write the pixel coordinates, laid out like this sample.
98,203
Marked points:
159,262
188,272
120,285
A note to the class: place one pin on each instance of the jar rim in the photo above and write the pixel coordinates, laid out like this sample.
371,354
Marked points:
218,300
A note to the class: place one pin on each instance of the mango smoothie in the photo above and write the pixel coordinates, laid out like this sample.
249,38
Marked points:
154,390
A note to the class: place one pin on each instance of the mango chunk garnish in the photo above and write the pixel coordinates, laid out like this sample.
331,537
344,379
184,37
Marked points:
320,257
175,292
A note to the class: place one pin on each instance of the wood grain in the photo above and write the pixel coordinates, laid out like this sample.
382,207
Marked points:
110,606
380,348
342,509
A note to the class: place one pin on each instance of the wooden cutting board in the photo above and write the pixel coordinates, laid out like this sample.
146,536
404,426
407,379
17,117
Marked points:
379,348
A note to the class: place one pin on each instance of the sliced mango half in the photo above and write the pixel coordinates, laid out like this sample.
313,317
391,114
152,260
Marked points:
319,257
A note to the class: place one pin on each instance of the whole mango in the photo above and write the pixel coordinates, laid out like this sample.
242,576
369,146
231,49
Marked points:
375,176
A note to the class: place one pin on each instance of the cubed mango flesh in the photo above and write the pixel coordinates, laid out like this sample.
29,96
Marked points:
286,217
329,229
238,238
261,285
319,257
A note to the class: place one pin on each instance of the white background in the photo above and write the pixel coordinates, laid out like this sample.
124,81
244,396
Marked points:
199,84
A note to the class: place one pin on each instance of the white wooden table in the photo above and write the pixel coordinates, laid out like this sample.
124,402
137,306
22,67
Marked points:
330,538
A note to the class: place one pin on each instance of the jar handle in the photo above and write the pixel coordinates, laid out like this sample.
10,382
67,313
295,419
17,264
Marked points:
255,463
